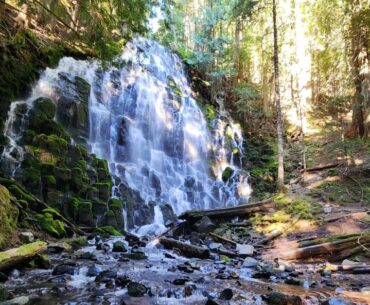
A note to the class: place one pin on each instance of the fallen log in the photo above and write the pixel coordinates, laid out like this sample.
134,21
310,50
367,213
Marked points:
328,248
16,256
241,210
319,168
187,250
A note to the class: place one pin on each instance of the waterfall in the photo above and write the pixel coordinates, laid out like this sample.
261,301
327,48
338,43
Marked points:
145,121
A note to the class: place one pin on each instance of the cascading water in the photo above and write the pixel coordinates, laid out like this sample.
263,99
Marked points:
145,121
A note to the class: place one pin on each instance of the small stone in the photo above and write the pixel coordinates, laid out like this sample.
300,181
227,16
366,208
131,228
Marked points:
26,237
211,302
250,262
122,281
135,289
214,246
119,246
245,250
188,290
336,301
277,298
292,281
42,262
87,256
226,294
180,281
93,271
169,255
63,269
106,276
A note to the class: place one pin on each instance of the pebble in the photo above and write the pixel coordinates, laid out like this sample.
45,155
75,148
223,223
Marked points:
226,294
135,289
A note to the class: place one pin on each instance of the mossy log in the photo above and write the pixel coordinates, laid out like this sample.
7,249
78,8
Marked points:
187,250
241,210
16,256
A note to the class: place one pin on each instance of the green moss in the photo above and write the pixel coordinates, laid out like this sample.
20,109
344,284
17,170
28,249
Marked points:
50,225
109,230
296,206
31,174
52,143
49,181
227,173
115,204
8,216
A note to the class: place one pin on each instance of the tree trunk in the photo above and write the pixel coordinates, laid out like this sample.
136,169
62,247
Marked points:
279,121
187,250
236,54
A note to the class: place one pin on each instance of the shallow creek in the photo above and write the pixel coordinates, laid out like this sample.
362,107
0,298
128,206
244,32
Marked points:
91,276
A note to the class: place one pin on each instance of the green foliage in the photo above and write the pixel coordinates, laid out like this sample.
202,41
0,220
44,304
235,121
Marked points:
296,206
52,226
248,97
8,216
109,230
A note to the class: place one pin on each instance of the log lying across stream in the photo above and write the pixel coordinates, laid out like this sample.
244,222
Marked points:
13,257
241,210
187,250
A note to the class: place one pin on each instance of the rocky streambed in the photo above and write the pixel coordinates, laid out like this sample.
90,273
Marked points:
132,270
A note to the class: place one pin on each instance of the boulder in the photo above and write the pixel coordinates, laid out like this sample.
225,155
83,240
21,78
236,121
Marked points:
250,262
168,214
8,216
17,301
205,225
135,289
119,246
245,250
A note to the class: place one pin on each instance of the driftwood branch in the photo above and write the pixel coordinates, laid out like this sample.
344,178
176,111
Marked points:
241,210
16,256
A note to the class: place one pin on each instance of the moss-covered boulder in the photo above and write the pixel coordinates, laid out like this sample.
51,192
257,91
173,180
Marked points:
8,216
227,173
50,224
116,207
85,214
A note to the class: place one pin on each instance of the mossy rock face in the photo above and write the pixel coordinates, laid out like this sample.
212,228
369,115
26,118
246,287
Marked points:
85,214
109,230
8,216
104,189
50,225
72,109
227,173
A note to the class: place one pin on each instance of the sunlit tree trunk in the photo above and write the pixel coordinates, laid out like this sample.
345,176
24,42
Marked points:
279,121
360,70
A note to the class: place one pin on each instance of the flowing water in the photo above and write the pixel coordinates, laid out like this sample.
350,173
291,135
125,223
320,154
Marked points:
145,121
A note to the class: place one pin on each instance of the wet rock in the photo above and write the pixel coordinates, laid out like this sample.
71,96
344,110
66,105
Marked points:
63,269
42,262
168,214
17,301
180,281
87,256
226,294
188,290
106,276
119,246
4,293
3,277
277,298
292,281
250,262
15,274
245,250
134,256
135,289
93,271
169,255
185,268
56,248
205,225
211,302
214,246
122,281
26,237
